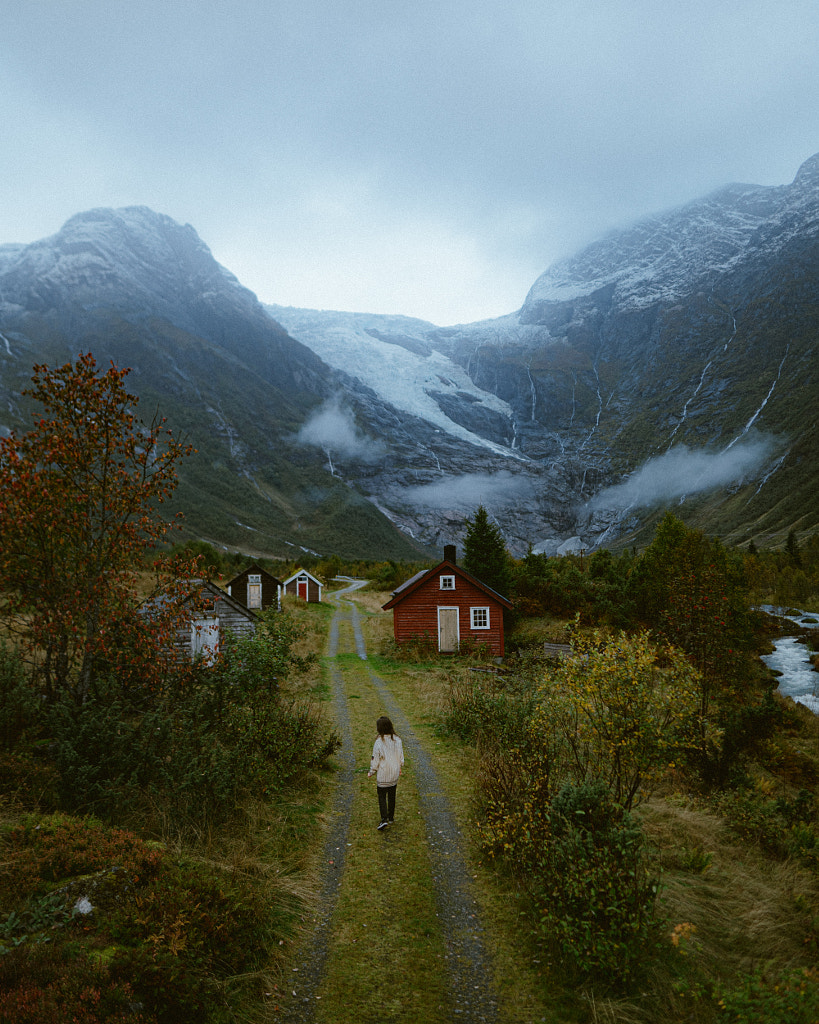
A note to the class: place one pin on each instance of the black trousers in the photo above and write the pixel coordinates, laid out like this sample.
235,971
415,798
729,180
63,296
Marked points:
386,802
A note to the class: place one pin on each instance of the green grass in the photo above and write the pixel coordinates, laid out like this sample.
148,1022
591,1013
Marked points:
732,904
387,949
522,976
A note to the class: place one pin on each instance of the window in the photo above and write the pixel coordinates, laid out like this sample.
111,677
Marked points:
447,583
254,591
480,618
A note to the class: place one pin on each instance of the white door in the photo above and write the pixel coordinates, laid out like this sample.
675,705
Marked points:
448,633
204,639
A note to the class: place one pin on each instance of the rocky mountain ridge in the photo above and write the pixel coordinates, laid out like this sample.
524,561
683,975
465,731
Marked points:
134,287
673,363
691,333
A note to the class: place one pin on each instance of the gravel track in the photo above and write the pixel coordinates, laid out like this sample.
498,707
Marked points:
472,998
312,958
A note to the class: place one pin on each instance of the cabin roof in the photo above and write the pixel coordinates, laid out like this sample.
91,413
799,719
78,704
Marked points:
414,582
256,570
197,587
302,572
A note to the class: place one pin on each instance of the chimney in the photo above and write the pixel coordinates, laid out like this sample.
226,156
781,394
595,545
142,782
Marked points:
449,553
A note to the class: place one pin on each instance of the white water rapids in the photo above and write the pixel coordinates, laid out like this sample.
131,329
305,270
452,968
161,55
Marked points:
798,681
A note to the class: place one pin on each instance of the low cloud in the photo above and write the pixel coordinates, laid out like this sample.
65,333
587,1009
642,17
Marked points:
681,472
333,429
467,491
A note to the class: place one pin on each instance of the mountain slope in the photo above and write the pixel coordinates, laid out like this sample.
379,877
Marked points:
134,287
672,363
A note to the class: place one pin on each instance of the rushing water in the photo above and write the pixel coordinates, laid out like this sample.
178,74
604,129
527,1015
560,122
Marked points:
791,657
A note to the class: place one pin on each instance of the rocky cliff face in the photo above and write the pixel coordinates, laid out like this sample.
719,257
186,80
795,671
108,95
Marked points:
669,365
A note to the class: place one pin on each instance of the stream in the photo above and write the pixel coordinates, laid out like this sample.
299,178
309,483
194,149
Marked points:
798,681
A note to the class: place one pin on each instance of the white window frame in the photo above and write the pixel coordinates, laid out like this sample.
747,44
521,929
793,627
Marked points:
447,582
473,616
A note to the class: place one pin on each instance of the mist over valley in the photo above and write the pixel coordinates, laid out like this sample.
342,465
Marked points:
663,366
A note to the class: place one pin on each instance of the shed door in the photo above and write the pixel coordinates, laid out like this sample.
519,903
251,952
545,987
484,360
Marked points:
204,639
448,630
254,591
302,588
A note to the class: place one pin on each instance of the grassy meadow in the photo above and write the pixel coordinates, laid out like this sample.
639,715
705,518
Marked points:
202,916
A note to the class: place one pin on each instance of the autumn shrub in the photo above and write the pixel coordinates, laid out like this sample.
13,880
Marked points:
49,984
516,788
771,997
583,862
596,894
616,712
576,755
161,937
80,496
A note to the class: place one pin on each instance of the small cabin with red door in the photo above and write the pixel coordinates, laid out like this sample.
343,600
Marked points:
450,606
303,584
255,588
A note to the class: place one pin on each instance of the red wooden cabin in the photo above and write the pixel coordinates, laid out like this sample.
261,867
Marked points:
303,584
450,606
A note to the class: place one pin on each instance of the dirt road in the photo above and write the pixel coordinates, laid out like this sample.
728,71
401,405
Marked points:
465,980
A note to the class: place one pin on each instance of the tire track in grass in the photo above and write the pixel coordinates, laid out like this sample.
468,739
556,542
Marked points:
468,965
312,958
468,962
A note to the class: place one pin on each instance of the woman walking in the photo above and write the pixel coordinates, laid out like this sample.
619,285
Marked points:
386,764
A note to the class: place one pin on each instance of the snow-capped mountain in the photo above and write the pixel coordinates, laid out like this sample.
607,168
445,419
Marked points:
675,356
136,288
665,257
670,364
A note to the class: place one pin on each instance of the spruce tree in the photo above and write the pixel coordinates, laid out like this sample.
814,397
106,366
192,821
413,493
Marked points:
485,553
792,547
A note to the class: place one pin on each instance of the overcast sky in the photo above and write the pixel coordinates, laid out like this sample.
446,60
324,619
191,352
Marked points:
425,157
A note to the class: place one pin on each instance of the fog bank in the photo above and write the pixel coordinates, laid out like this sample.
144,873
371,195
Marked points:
681,472
332,428
492,490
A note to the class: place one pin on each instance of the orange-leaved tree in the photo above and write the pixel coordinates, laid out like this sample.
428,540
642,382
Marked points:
79,509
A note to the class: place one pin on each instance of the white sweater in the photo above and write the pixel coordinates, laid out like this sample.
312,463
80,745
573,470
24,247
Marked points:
387,760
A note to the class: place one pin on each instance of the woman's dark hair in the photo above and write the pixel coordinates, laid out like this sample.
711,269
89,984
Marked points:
384,726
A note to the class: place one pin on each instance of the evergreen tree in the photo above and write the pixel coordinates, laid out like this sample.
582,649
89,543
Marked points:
485,554
792,547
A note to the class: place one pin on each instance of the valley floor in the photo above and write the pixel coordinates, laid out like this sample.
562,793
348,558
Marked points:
398,932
